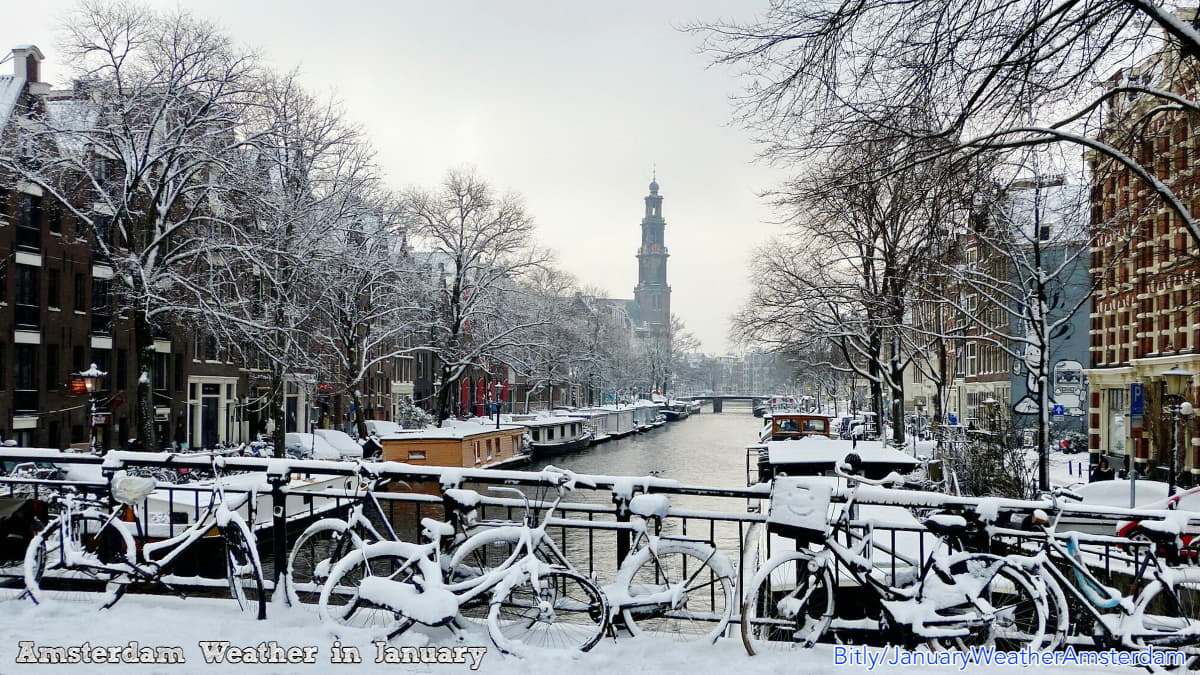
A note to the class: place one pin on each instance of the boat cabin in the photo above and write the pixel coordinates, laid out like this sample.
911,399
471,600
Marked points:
790,426
465,444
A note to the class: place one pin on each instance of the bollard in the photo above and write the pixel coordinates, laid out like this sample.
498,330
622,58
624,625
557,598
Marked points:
623,535
278,532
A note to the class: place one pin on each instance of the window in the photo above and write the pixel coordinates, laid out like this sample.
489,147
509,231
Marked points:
28,312
122,368
103,358
29,222
54,219
160,371
179,372
416,454
3,367
53,288
1044,233
101,312
972,358
25,377
80,293
52,374
77,364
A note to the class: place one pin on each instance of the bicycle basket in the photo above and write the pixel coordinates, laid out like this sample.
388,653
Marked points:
131,489
799,509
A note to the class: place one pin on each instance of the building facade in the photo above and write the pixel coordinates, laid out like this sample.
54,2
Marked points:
1146,305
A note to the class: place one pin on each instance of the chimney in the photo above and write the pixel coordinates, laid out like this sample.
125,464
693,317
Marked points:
27,62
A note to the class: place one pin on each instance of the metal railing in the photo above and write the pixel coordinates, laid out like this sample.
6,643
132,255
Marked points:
592,529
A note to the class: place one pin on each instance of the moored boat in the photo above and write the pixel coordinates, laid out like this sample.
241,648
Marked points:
552,435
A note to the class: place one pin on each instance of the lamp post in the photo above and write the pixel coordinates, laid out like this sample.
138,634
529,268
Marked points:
499,390
917,425
991,404
91,379
1176,380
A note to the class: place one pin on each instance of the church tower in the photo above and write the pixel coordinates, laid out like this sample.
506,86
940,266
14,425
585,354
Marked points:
652,293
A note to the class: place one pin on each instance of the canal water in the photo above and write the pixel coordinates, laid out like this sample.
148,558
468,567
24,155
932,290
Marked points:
706,449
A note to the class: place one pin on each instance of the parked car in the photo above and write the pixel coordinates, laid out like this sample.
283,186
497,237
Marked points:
308,446
1111,493
347,447
381,428
1189,538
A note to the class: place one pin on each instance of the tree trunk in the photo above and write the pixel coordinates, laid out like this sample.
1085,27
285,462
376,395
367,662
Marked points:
143,345
278,415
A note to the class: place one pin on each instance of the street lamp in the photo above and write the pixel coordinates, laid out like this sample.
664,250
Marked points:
1176,380
91,379
991,404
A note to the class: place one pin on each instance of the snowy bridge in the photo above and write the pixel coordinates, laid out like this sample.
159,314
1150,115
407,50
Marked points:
594,529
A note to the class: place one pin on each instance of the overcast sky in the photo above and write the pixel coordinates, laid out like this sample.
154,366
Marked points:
569,103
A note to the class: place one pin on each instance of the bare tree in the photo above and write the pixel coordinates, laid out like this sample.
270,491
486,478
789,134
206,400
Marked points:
479,244
987,75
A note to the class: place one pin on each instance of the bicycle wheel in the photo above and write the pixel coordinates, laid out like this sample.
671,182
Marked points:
788,604
1005,610
556,610
60,551
682,590
1166,612
340,600
243,568
312,557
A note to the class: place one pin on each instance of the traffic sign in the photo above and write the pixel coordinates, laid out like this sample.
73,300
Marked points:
1059,410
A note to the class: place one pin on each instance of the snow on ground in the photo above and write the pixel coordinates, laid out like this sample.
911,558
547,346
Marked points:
159,621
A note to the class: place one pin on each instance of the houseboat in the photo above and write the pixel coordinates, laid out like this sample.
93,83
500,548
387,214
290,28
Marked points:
646,415
803,444
468,444
676,410
552,435
610,421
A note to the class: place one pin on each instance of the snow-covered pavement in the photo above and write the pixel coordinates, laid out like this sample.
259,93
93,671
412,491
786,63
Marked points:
167,621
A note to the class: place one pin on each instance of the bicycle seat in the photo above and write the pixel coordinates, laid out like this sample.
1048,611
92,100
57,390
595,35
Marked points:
650,506
434,530
945,524
461,500
132,489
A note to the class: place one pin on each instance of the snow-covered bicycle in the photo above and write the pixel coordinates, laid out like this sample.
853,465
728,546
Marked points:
791,600
1163,614
390,586
91,541
674,587
328,540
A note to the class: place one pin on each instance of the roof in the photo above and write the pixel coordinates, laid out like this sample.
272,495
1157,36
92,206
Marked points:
823,450
11,87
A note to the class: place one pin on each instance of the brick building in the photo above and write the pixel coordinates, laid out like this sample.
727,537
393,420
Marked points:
1146,306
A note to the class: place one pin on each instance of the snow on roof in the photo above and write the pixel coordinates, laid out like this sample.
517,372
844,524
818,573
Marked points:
450,429
11,87
823,450
550,421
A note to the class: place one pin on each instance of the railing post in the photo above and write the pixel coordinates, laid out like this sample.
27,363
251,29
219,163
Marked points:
277,482
623,535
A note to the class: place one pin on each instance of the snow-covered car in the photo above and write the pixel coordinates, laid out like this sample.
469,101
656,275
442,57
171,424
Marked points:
347,447
381,428
1189,534
1111,493
308,446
